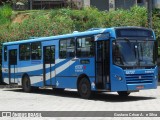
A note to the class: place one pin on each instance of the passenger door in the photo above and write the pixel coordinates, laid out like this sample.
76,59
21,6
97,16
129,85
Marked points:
12,66
49,65
102,64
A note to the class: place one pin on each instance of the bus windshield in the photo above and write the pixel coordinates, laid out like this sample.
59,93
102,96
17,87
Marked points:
130,53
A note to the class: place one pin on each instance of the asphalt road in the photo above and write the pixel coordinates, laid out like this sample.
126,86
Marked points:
14,99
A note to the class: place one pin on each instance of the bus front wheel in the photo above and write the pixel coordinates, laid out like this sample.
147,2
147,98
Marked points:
123,93
26,84
84,88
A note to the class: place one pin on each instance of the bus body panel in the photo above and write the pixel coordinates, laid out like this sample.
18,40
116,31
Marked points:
133,79
71,69
116,84
141,79
30,68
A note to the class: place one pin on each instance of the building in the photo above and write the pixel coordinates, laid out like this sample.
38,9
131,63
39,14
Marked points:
51,4
120,4
156,3
116,4
46,4
2,1
78,4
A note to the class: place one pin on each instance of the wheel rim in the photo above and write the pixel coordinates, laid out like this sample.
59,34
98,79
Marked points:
84,89
27,84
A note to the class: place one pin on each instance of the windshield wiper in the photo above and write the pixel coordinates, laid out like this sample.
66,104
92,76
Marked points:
128,41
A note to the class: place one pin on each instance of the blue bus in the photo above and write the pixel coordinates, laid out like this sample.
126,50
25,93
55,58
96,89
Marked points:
118,59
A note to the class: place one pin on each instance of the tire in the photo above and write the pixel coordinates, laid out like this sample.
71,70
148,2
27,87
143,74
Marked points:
123,93
84,88
26,84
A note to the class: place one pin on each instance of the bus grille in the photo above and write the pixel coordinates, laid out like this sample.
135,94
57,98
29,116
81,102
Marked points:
139,78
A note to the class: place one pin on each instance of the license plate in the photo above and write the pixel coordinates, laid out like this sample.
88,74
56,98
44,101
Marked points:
140,87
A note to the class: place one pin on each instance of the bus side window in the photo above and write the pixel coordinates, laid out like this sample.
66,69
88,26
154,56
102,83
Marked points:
70,48
24,52
85,47
63,49
49,55
5,53
67,48
36,51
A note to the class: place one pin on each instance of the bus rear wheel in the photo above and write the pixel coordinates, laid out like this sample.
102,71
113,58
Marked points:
123,93
84,88
26,84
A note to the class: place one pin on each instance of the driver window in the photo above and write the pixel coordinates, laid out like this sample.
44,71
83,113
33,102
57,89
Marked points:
117,59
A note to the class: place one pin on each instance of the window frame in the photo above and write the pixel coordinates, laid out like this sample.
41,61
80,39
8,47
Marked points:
20,52
49,61
5,55
91,36
66,39
36,50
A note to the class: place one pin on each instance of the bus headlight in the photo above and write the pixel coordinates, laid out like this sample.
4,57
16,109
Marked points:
156,76
118,77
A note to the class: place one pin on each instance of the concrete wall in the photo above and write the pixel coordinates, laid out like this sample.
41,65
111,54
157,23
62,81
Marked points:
124,4
86,3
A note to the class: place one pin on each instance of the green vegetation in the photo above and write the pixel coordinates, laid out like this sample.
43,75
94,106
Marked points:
61,21
5,14
53,22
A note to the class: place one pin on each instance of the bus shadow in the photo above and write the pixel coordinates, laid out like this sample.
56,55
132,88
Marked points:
116,98
107,97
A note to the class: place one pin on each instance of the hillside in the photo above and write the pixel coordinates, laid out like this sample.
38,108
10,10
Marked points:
24,24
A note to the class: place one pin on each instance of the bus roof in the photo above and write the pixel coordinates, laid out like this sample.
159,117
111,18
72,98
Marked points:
74,34
91,31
